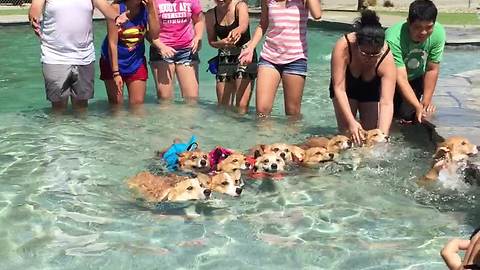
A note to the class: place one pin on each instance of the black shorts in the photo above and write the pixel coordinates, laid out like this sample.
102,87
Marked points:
402,109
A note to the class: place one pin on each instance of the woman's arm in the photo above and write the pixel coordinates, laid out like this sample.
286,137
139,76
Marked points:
34,13
198,25
387,72
315,8
338,68
153,23
211,35
247,54
112,38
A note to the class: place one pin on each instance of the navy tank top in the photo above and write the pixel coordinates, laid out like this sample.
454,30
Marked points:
358,89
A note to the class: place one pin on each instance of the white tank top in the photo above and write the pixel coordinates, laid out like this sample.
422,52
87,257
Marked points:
66,32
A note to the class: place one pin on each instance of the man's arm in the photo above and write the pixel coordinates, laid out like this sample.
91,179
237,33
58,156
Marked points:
407,92
34,13
430,81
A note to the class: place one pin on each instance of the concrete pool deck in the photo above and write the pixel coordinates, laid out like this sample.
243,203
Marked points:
457,97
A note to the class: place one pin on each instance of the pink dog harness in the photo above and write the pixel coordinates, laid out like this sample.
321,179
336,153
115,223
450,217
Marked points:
217,155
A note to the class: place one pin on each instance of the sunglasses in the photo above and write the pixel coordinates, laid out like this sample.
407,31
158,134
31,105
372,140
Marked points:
369,54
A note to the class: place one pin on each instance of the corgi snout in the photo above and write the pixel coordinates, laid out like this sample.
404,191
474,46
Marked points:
207,192
203,162
331,155
274,166
238,190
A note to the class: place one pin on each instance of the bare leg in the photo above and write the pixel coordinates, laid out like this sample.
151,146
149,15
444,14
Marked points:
293,91
341,121
368,114
114,97
163,74
80,105
188,83
136,92
220,87
60,106
267,84
243,95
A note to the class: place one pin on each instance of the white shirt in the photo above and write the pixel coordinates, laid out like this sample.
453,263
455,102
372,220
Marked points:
66,32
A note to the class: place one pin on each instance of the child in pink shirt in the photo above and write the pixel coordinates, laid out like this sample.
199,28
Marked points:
178,39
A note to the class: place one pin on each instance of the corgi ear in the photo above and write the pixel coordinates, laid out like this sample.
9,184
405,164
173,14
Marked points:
441,153
255,168
257,154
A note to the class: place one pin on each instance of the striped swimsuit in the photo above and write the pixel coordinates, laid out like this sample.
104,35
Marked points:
286,37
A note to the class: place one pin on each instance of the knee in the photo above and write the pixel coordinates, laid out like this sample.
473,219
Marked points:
293,109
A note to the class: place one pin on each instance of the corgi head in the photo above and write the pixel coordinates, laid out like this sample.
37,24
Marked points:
317,155
374,136
193,161
235,161
287,152
459,147
187,190
269,163
167,188
316,142
339,143
225,183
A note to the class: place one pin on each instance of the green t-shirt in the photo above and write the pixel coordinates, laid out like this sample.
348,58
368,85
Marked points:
415,56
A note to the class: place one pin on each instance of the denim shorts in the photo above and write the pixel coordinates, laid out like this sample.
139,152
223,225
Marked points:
181,57
297,67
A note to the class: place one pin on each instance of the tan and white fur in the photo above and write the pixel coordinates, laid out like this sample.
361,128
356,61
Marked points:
269,163
170,188
226,183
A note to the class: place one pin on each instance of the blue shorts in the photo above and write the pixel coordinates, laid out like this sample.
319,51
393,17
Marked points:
181,57
297,67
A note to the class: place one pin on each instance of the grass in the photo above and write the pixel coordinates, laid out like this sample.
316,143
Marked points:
444,18
14,11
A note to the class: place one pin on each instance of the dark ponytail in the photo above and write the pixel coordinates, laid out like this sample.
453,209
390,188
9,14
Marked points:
369,30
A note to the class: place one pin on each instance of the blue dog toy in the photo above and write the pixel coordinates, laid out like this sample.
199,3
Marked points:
213,65
171,155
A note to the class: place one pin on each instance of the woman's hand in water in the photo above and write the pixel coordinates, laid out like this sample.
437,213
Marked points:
355,130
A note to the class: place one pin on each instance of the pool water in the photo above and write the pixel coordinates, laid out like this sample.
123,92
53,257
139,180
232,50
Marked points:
64,203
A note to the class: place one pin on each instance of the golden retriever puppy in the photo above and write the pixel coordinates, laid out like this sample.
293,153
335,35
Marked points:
269,163
194,161
287,152
316,155
170,188
339,143
235,161
374,136
225,183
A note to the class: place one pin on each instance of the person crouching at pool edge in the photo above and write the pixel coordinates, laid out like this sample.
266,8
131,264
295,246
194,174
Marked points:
417,46
363,79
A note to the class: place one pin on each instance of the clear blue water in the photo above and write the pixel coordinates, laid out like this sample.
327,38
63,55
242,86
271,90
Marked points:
64,203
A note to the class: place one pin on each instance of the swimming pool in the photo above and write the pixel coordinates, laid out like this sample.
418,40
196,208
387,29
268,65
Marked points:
64,204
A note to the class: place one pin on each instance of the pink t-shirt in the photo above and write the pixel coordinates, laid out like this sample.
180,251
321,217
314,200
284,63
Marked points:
175,17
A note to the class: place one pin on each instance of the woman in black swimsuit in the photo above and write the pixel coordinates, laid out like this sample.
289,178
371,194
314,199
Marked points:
228,31
363,78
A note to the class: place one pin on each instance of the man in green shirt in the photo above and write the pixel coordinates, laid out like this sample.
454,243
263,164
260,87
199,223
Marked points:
417,47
